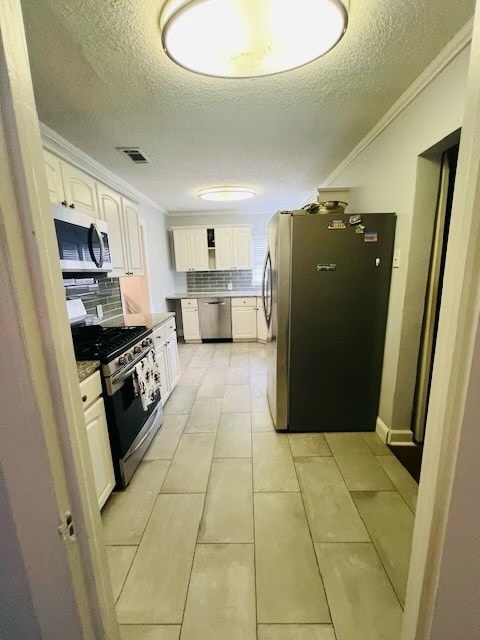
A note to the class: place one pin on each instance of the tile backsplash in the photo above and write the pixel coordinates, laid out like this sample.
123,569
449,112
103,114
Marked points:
218,280
108,295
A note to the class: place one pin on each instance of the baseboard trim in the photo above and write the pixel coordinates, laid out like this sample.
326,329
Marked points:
398,437
382,430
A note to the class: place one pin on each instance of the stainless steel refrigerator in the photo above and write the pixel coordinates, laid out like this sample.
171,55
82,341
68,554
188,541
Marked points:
326,287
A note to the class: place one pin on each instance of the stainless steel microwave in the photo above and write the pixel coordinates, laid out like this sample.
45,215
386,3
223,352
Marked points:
82,241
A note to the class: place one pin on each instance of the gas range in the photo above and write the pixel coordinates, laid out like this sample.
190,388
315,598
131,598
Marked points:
117,348
131,428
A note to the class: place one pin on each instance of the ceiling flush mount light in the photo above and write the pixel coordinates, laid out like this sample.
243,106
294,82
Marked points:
246,38
226,194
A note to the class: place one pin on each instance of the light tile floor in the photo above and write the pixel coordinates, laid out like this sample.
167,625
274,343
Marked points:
230,531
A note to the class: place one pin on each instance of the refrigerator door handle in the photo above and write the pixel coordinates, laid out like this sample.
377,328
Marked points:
267,265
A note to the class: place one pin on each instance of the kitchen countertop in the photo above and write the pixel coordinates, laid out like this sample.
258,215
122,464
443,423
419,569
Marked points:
86,368
251,293
150,320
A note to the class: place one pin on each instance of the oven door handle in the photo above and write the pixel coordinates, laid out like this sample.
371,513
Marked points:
126,371
139,444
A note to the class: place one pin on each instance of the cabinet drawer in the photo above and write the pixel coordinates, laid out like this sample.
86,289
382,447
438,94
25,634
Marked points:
158,335
169,327
91,389
189,303
244,302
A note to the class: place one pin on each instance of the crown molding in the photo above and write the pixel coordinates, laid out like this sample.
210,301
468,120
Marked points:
193,214
458,43
57,144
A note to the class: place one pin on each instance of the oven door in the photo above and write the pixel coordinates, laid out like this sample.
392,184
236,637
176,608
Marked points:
130,427
126,416
82,242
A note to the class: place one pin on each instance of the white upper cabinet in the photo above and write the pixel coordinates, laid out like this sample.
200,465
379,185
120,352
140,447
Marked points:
199,244
181,242
132,235
191,249
232,250
224,251
53,170
110,209
242,244
80,190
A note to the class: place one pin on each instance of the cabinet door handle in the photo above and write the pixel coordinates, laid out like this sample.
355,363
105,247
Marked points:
72,206
84,398
64,202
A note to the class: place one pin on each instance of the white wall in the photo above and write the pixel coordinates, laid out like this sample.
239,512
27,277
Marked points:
160,273
259,222
383,178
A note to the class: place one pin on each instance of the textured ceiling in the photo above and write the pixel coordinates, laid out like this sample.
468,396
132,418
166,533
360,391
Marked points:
102,81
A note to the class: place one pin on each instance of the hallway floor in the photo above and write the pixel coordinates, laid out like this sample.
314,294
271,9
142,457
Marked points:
230,531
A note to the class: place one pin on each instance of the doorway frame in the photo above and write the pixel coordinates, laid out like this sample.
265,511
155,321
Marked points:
428,173
39,279
36,320
457,342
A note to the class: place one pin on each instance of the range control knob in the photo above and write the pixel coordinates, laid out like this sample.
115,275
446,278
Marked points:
137,349
122,361
145,344
129,357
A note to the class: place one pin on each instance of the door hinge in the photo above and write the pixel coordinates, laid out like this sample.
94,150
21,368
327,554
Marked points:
66,527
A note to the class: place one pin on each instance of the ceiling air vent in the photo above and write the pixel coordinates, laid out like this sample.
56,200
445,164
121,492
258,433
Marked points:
134,154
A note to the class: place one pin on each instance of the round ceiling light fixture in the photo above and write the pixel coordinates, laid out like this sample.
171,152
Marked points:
226,194
247,38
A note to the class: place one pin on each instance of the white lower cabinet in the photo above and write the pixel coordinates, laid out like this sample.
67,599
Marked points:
172,359
244,318
97,435
191,323
261,322
161,354
166,351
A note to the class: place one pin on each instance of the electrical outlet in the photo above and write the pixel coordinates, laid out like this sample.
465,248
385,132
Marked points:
100,311
229,286
397,257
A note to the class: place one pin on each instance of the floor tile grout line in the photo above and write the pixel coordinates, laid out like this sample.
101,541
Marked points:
196,538
362,519
115,600
396,488
311,539
148,520
197,543
224,544
369,450
198,532
144,529
254,532
149,624
351,498
383,565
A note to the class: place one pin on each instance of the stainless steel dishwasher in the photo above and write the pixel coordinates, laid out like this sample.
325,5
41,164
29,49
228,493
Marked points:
215,318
